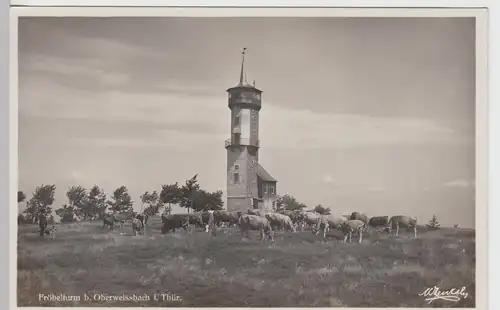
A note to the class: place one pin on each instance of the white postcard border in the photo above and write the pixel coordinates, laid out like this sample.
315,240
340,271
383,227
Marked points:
481,102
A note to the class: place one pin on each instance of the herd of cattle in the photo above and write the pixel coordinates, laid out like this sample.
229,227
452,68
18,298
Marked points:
264,222
267,222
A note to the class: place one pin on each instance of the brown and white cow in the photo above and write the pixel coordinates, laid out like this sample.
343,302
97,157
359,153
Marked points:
226,217
123,217
353,226
327,222
175,221
249,222
403,221
378,222
309,218
281,221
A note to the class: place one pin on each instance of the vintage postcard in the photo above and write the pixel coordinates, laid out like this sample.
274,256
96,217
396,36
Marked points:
249,157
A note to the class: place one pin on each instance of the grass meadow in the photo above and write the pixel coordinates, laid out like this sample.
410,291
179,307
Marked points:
228,271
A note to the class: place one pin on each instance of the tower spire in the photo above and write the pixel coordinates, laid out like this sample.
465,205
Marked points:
243,75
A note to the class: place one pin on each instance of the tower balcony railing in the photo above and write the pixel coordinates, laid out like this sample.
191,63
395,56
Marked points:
242,142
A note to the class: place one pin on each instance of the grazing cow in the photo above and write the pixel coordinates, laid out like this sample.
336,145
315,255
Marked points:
309,218
109,220
42,224
124,216
174,221
223,216
137,226
280,220
327,222
455,226
351,226
403,221
379,221
249,222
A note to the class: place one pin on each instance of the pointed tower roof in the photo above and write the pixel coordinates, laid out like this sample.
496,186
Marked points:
243,75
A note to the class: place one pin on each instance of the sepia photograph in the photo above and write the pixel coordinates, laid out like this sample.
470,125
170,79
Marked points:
249,161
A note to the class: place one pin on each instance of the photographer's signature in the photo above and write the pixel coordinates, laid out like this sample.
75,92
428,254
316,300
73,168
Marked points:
454,294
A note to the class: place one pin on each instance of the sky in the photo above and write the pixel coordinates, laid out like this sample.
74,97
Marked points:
359,114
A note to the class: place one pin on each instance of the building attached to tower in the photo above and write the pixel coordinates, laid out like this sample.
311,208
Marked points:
249,185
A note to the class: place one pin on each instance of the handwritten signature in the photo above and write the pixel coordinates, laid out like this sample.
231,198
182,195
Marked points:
434,293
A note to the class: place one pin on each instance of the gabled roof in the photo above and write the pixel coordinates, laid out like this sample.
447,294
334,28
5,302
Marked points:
264,175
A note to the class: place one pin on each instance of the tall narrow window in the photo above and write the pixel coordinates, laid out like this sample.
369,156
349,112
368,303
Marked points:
265,188
272,189
237,121
236,178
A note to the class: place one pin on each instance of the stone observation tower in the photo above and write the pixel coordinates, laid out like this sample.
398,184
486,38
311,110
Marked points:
249,185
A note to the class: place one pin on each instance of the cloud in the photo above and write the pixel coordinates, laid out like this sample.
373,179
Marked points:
280,128
304,129
93,69
459,183
166,138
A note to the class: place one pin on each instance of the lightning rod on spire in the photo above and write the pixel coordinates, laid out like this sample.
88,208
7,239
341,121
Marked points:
242,73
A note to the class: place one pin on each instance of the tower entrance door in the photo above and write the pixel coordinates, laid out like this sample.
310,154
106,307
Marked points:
255,203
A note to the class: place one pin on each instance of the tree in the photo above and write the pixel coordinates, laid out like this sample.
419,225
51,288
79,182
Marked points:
153,202
40,203
121,200
65,212
77,196
433,223
205,201
96,200
20,196
170,194
189,192
215,201
321,210
288,202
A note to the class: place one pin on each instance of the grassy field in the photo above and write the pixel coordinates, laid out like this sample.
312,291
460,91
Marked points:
300,271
